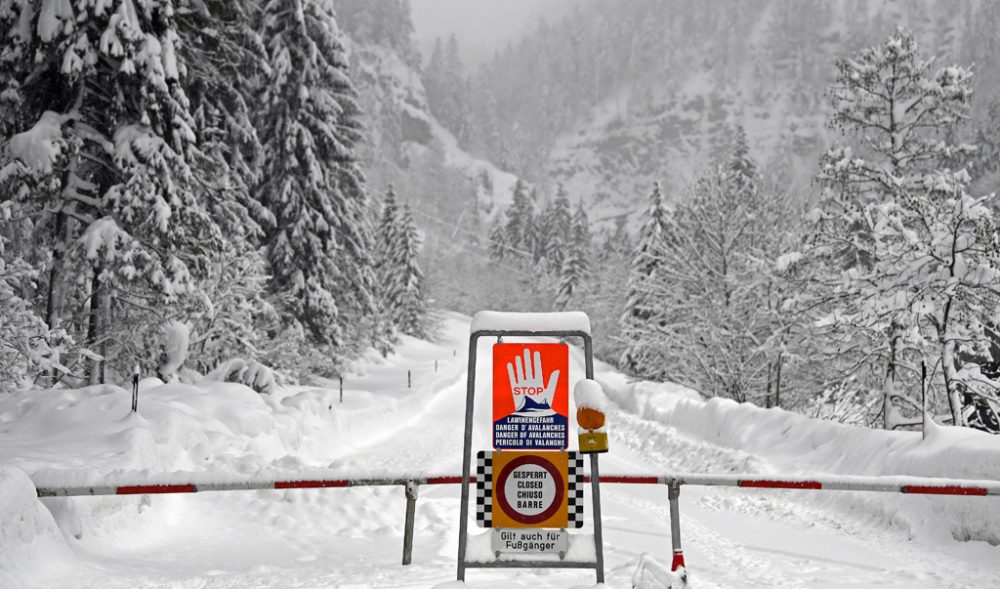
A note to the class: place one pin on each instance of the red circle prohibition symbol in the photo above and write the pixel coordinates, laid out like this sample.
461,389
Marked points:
501,482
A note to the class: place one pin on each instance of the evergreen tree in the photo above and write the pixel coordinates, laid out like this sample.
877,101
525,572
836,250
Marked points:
875,214
576,265
555,231
741,166
499,248
106,133
390,281
226,62
520,222
318,247
411,316
639,306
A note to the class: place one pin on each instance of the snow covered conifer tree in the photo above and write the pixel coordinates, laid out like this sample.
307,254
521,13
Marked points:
411,315
901,115
390,280
106,127
557,225
741,166
520,221
498,247
319,246
646,260
577,261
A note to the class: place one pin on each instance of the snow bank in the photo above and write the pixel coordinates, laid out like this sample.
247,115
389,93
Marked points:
501,321
29,537
795,444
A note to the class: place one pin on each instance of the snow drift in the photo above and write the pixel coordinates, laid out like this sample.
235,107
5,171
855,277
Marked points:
29,536
795,444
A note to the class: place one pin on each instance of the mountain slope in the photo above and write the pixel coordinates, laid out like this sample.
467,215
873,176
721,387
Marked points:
620,93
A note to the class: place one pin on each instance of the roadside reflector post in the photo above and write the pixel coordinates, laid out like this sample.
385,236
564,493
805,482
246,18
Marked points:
674,495
135,389
411,508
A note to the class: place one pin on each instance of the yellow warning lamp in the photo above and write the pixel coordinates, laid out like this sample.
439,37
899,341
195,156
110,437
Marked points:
590,417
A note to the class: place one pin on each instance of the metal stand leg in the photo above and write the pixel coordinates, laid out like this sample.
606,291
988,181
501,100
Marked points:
595,490
463,523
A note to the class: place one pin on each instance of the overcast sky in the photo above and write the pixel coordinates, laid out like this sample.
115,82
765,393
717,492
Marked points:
481,26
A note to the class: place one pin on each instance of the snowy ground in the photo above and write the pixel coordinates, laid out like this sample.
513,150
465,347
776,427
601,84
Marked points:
351,538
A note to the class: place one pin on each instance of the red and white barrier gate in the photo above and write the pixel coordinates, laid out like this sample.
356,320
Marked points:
881,484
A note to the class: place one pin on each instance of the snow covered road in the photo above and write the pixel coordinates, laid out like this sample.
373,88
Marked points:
351,538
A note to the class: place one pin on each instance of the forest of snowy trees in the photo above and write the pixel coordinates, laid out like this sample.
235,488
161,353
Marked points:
847,306
266,181
189,167
893,273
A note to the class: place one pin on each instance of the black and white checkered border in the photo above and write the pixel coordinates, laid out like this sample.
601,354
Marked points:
484,489
575,490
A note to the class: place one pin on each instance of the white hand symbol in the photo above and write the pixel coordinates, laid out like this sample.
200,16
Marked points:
526,381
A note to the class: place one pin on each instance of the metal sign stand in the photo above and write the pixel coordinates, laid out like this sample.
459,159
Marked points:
598,563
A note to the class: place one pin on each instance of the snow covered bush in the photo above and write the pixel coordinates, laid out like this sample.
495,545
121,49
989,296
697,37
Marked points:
25,350
249,372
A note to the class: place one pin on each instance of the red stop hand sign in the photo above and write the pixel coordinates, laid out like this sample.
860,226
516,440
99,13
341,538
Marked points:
530,396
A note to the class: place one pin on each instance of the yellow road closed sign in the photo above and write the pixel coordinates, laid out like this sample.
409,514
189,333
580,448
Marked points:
529,490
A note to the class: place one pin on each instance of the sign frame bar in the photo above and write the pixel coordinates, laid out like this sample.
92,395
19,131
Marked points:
463,526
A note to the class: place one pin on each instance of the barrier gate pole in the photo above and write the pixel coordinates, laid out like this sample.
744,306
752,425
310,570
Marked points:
411,508
674,494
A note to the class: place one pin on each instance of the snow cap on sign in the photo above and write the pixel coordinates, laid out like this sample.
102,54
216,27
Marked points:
502,321
589,393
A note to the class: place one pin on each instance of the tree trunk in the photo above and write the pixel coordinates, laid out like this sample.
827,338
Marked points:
94,326
54,297
777,383
770,384
889,386
948,367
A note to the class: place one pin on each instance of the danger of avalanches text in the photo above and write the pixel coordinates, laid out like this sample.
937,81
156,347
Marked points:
519,432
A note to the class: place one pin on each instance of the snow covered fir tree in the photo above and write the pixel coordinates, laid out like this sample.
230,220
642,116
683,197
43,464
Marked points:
243,245
185,163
